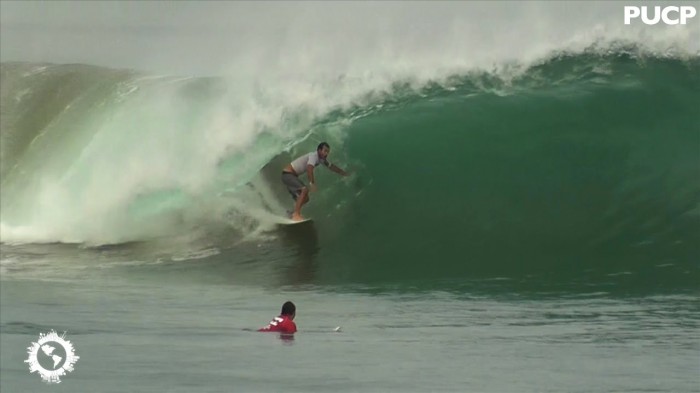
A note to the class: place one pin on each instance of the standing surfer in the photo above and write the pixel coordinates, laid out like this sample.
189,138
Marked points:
306,164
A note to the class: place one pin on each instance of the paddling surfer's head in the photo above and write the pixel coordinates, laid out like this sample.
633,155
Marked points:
289,309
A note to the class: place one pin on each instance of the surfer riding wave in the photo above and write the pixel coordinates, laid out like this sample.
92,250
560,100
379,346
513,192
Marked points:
306,164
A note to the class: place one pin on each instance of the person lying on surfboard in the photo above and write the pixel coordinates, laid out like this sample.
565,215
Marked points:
306,164
284,323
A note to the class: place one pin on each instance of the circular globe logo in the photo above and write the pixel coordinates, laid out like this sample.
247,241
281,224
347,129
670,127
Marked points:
51,356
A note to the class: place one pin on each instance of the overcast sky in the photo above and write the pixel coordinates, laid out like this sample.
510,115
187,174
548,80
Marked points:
206,37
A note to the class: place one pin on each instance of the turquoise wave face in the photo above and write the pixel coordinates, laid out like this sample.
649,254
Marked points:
581,165
586,165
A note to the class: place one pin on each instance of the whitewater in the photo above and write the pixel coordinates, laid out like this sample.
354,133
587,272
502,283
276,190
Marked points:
149,153
522,212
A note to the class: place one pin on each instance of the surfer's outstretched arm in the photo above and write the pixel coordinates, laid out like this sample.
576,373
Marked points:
337,170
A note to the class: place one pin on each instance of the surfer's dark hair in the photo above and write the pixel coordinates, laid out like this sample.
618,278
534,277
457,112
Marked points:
288,308
322,145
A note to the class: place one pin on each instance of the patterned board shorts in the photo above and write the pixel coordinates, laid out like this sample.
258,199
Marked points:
293,183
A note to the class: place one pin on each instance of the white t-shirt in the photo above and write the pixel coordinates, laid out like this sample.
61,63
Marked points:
299,165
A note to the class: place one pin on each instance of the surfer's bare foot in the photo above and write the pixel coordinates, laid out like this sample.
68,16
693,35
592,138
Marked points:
297,217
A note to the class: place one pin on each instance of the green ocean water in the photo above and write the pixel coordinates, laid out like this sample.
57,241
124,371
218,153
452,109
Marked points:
524,230
581,168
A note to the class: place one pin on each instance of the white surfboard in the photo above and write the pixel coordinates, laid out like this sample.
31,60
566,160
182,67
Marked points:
288,220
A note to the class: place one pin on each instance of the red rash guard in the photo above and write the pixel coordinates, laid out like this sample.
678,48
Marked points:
282,324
